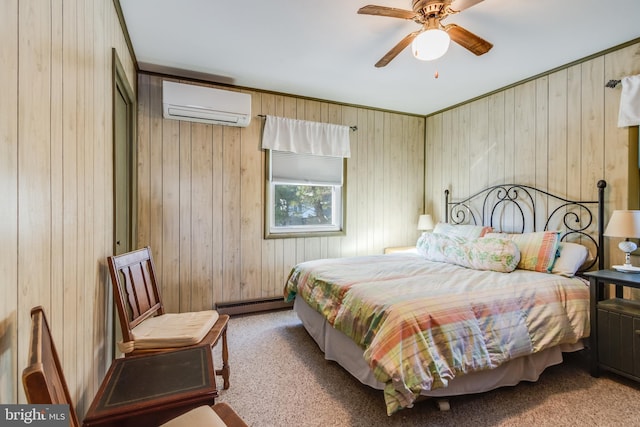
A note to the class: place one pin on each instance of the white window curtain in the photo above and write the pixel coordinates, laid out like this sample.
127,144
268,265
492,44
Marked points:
629,113
305,137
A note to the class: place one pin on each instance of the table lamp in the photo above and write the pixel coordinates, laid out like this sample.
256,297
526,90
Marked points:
425,223
625,224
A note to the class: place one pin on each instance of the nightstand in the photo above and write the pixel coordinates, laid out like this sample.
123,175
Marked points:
394,249
615,325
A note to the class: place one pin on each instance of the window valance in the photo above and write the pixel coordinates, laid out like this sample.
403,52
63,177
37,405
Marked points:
305,137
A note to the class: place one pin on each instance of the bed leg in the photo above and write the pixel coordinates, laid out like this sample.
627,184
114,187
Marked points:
443,404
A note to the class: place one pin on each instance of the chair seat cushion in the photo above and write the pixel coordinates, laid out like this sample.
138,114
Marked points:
200,416
171,330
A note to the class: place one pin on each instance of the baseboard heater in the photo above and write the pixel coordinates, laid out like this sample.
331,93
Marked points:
253,306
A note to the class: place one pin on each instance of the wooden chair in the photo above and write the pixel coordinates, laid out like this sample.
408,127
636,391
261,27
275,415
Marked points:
44,383
135,292
42,379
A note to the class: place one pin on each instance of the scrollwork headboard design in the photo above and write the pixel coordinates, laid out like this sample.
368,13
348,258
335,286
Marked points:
517,208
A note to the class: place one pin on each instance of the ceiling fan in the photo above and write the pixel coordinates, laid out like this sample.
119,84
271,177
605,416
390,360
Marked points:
432,40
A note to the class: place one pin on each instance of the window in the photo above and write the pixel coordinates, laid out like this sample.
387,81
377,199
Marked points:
304,194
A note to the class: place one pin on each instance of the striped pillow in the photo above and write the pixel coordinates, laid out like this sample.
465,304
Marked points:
538,250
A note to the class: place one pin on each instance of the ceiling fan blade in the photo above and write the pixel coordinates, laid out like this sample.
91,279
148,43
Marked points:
397,49
386,11
468,40
459,5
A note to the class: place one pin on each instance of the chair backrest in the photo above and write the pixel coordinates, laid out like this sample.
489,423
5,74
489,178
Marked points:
43,379
135,288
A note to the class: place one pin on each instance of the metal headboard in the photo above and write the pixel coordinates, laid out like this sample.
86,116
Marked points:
514,205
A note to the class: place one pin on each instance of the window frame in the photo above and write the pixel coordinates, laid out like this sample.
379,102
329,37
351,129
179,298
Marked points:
290,232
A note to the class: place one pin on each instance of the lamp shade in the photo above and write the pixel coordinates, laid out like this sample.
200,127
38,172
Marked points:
624,224
425,223
430,44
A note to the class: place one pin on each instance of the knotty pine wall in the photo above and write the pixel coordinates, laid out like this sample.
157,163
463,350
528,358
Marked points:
201,196
56,197
557,132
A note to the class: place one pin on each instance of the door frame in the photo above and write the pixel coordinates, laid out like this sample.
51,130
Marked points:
120,82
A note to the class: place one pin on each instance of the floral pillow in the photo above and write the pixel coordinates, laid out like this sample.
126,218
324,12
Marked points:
469,231
538,250
494,254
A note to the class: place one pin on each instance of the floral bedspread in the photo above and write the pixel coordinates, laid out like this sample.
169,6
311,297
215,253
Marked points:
423,323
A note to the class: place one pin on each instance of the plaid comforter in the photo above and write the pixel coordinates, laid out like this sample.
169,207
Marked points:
423,323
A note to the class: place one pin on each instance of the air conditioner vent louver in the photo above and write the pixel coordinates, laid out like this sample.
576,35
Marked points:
205,105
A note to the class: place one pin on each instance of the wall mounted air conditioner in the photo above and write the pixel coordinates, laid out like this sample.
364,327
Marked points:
205,105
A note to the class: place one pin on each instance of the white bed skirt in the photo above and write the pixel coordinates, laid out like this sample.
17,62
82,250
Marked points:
341,349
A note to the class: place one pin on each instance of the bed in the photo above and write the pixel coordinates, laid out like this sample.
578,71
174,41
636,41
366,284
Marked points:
491,297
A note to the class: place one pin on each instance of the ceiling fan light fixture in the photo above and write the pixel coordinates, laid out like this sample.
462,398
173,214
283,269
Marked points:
430,44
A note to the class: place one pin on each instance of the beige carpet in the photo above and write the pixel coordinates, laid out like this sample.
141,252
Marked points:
279,378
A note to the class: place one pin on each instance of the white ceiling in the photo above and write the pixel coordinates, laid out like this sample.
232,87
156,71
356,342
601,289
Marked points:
323,49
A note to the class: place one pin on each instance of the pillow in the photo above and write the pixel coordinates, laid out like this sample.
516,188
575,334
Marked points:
469,231
538,250
570,259
494,254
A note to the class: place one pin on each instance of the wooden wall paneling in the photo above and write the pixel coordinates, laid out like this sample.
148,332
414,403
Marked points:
215,217
496,138
87,255
541,144
206,199
34,164
349,242
272,250
574,130
143,153
231,190
155,182
557,116
251,187
415,179
509,137
185,246
69,254
433,174
57,170
170,206
448,154
592,121
389,170
101,314
557,137
460,158
9,24
524,137
478,145
403,173
376,177
84,134
360,205
593,126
